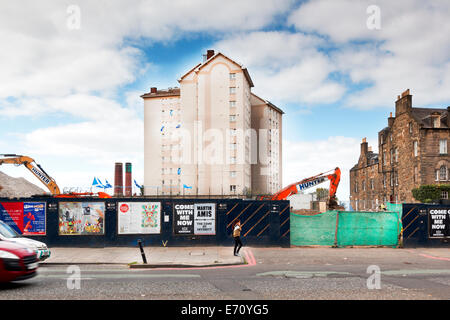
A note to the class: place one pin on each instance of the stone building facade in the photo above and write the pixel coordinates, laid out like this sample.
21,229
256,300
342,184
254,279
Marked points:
412,151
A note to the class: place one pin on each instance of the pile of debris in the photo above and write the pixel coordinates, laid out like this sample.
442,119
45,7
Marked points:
17,187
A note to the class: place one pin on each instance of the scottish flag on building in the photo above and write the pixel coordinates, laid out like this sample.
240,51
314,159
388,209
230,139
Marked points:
187,187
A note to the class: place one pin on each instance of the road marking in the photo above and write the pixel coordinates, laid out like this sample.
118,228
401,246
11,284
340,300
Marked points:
123,276
432,257
300,274
415,271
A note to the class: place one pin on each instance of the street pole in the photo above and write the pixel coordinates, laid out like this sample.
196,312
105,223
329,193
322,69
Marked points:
144,259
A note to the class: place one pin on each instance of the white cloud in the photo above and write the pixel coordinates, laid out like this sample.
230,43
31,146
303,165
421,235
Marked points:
411,50
285,67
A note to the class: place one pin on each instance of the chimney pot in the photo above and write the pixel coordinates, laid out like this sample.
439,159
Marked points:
209,54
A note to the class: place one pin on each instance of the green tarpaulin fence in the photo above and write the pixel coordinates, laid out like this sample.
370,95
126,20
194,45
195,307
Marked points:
346,228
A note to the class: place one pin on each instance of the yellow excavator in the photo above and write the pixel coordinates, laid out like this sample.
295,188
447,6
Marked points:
40,173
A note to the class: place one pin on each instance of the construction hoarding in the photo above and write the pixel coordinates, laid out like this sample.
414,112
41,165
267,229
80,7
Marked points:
346,228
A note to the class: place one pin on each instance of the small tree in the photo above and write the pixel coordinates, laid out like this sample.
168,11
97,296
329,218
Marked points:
322,194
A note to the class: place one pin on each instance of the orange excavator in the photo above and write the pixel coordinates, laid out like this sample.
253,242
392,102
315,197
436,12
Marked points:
294,188
40,173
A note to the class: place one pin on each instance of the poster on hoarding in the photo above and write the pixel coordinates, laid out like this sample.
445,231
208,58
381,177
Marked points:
139,217
33,218
183,218
27,218
205,218
81,218
439,223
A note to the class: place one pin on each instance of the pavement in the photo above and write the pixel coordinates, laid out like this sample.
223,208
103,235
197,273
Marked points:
157,257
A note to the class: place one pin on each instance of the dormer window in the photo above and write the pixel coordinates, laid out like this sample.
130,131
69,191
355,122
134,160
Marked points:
436,121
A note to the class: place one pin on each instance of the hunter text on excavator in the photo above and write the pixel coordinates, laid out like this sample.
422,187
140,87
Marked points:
40,173
310,182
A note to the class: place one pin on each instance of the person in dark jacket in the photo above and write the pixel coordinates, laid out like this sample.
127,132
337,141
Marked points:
237,237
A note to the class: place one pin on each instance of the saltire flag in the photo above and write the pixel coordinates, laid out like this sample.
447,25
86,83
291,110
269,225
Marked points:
107,185
97,183
179,171
186,187
137,185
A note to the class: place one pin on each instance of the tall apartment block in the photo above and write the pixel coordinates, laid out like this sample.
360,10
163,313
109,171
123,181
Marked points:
212,135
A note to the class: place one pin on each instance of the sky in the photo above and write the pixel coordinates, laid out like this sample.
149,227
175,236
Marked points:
72,72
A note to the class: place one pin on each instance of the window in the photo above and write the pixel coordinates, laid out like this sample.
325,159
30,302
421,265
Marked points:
415,147
232,104
364,185
232,90
436,122
233,146
396,154
356,187
443,173
384,180
443,146
232,76
444,195
232,188
233,160
371,184
233,174
232,118
410,128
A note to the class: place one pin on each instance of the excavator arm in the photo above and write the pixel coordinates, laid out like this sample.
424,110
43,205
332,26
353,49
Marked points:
34,168
294,188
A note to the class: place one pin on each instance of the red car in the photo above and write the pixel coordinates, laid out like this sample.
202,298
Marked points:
16,262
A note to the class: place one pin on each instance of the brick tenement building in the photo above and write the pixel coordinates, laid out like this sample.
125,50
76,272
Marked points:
412,151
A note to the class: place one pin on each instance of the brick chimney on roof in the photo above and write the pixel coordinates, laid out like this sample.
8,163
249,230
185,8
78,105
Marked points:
390,120
209,54
153,90
404,103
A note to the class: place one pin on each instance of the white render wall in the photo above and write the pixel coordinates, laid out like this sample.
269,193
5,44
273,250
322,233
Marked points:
204,139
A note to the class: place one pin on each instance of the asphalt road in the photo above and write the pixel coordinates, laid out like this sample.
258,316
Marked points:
272,273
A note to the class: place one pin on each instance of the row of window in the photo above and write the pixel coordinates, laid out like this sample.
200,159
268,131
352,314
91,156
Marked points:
441,174
395,154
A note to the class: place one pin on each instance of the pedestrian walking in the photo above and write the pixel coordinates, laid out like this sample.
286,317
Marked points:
237,237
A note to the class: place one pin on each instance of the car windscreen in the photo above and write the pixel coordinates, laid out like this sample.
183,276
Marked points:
7,231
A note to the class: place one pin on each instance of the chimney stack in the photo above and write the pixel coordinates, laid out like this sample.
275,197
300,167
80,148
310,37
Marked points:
209,54
153,90
364,147
403,103
128,185
390,120
118,179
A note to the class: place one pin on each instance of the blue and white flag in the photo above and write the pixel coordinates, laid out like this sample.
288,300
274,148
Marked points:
97,183
186,187
179,171
107,185
137,185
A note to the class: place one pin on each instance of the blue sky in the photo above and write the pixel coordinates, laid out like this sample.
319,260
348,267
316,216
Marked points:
71,79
